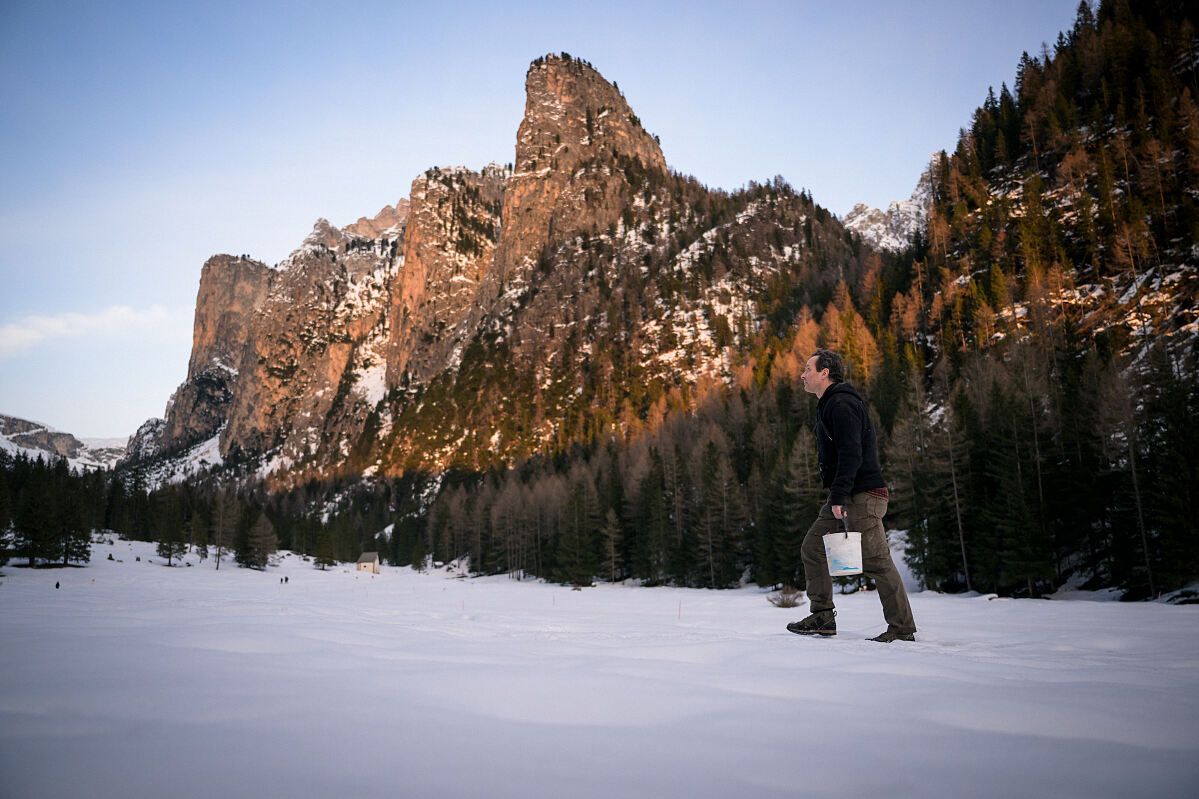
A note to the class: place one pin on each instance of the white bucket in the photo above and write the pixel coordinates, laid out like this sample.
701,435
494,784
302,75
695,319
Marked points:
844,553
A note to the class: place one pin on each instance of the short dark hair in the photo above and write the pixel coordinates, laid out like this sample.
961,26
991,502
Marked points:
827,359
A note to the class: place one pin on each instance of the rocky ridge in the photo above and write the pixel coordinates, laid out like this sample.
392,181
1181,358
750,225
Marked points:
896,228
485,316
36,440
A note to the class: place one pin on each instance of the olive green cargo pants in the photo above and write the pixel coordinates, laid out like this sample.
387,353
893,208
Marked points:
865,515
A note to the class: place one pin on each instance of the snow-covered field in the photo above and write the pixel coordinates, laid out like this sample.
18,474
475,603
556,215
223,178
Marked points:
138,680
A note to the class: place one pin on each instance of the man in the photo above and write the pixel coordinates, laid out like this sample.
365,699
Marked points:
848,455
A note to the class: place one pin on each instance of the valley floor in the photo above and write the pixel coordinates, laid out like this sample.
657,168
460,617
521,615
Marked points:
137,679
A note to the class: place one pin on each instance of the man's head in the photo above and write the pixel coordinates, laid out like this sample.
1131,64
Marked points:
822,370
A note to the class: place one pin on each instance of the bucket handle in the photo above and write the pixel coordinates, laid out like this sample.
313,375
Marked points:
845,522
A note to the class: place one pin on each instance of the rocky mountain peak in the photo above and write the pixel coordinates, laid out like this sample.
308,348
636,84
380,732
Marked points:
387,224
577,141
449,242
573,114
894,229
324,234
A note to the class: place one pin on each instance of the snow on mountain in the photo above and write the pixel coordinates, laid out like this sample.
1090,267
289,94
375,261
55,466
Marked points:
894,229
136,678
183,465
37,440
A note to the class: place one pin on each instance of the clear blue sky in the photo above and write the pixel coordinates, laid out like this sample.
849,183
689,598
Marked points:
137,139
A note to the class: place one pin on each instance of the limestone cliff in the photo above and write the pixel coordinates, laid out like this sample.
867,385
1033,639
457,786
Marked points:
576,133
232,289
449,244
313,365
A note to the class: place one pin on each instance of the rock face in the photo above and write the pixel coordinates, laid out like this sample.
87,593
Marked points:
145,444
231,291
449,246
896,228
315,353
576,133
33,436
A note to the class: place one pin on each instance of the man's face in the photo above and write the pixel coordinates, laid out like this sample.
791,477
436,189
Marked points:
814,382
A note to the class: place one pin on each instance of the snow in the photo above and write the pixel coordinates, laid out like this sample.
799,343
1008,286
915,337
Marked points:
93,453
192,461
277,462
138,679
371,381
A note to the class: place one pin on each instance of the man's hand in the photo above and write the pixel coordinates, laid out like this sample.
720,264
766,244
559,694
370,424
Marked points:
839,511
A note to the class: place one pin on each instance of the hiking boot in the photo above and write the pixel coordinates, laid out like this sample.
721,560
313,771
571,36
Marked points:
890,636
819,623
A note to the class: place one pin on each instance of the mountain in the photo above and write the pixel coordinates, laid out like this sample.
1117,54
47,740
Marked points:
583,365
895,229
497,313
36,440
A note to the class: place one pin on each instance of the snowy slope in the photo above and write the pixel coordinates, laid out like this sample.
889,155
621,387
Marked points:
136,679
184,465
34,440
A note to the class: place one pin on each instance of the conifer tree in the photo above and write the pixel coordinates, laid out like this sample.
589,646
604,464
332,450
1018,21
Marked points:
324,549
1169,428
612,539
652,520
262,542
34,535
224,524
1118,414
168,526
71,537
575,556
242,548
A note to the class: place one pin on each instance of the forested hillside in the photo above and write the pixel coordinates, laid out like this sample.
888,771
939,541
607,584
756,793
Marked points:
1053,311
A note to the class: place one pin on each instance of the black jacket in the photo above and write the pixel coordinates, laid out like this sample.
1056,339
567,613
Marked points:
846,444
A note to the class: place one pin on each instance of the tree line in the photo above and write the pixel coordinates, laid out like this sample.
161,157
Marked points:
49,514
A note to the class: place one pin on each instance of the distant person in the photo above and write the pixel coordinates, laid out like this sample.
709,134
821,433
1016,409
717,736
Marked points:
848,455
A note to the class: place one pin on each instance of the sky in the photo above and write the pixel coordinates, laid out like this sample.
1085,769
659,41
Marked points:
138,139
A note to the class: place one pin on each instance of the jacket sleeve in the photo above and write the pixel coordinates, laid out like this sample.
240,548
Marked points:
847,438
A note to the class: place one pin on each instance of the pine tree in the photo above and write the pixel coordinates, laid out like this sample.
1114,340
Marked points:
168,526
652,519
419,556
612,539
1118,414
34,536
6,510
324,549
243,551
224,524
1169,428
576,561
262,543
70,533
